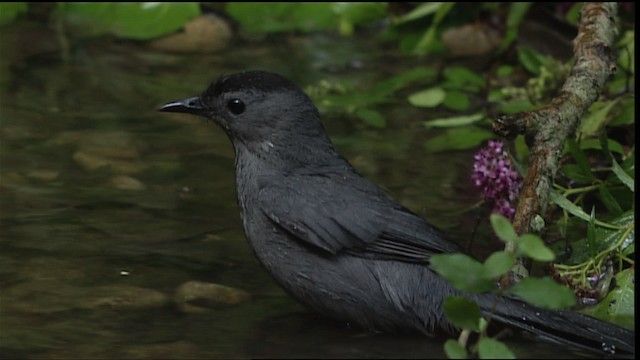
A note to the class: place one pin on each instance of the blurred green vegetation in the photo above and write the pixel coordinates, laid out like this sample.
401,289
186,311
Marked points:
9,11
129,20
594,190
132,20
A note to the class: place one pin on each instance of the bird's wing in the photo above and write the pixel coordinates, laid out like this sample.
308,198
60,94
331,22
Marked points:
350,215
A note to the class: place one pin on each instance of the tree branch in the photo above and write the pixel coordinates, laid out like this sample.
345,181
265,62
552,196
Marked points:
546,129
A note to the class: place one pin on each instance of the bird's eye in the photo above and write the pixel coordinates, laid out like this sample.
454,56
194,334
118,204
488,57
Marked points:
236,106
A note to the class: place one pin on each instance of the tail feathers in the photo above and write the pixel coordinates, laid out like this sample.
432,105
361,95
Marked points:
564,327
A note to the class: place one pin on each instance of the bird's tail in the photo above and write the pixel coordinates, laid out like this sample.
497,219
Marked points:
564,327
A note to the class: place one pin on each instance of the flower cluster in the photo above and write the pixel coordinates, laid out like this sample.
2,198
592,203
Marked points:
497,178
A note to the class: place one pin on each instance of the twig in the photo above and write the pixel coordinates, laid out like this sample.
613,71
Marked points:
546,129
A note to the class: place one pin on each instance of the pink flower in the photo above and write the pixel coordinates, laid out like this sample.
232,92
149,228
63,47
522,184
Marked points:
497,178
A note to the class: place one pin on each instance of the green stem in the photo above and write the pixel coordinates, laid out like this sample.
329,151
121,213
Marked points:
597,262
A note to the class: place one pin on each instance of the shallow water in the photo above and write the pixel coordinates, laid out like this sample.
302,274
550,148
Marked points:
107,207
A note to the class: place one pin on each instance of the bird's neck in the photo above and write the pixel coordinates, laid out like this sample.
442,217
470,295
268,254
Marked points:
285,157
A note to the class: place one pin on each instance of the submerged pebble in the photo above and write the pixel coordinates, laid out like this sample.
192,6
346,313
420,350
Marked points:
123,296
90,161
197,296
43,174
48,297
118,150
124,182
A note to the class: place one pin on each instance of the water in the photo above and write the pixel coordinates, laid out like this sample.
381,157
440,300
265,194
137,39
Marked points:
107,207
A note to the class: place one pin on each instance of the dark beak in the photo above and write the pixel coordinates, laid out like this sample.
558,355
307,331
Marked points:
186,106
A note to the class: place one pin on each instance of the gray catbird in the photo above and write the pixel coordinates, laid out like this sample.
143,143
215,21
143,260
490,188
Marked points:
335,241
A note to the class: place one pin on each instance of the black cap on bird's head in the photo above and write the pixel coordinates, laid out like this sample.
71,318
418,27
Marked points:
257,108
254,80
248,81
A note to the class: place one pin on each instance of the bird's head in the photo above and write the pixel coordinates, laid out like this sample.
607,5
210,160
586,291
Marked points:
257,110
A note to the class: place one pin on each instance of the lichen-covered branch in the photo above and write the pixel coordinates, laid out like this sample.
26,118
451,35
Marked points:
546,129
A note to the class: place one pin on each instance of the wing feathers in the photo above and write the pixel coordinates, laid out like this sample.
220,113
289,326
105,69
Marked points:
333,215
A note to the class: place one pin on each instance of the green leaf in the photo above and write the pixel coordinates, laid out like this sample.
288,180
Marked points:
454,121
615,167
508,39
497,264
522,153
629,164
564,203
621,299
591,233
622,175
456,100
609,201
531,60
427,98
387,87
617,85
504,71
605,145
459,138
372,118
627,51
532,246
595,144
345,27
580,158
380,93
360,12
462,271
503,228
517,11
11,10
576,173
461,75
519,168
269,17
484,324
496,96
454,350
489,348
462,312
426,41
624,221
132,20
606,238
572,208
422,10
516,106
573,15
619,304
627,113
543,292
596,118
